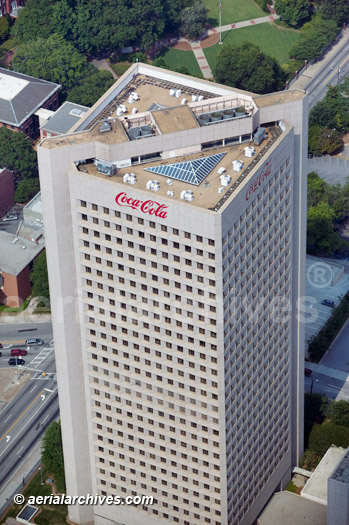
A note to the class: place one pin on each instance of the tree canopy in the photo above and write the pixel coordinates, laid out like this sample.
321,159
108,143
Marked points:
336,10
333,111
193,20
327,434
52,59
246,67
316,35
91,88
293,12
52,453
17,154
26,189
39,277
323,140
338,412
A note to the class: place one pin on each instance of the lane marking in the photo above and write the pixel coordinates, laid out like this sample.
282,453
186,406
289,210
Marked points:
43,421
48,390
25,424
334,72
34,387
20,450
19,417
7,418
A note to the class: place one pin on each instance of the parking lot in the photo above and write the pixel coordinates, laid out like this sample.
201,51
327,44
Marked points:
320,276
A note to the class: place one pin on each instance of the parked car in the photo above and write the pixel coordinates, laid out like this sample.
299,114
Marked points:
18,351
307,372
15,361
33,342
0,345
0,354
328,302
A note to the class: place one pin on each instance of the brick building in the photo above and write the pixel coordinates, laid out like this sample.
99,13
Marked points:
7,191
10,7
20,97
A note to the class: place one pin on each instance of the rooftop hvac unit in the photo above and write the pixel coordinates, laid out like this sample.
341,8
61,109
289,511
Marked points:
221,170
201,97
225,180
146,130
170,182
135,95
172,92
134,133
170,193
187,195
238,165
130,178
105,167
220,190
178,93
259,136
153,185
184,101
134,111
249,151
194,98
106,126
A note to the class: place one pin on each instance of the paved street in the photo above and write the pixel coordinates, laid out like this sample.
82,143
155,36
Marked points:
333,170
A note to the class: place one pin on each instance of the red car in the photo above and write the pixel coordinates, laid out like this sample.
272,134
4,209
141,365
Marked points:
18,351
307,372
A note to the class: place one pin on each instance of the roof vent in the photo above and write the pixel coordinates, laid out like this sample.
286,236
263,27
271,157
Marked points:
249,151
170,182
225,180
221,170
183,101
14,240
220,190
170,193
106,167
120,110
178,93
187,195
201,97
153,185
194,98
259,136
172,92
238,165
106,126
130,178
133,97
134,111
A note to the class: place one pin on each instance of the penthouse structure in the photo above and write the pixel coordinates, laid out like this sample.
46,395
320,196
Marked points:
175,214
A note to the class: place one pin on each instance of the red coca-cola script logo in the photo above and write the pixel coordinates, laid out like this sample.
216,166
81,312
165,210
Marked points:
151,207
254,185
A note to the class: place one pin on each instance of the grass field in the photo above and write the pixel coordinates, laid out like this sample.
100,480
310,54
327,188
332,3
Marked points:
176,58
272,41
232,11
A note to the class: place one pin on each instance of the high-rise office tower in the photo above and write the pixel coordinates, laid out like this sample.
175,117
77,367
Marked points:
175,233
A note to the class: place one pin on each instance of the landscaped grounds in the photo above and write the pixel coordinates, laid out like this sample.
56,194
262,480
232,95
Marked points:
271,40
232,11
176,58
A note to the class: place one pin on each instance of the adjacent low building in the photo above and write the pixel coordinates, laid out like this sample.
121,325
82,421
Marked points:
20,97
59,122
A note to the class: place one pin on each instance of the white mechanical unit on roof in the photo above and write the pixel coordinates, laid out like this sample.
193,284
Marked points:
133,97
187,195
130,178
153,185
238,165
249,151
221,170
225,180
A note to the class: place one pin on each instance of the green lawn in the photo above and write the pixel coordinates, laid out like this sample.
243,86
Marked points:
272,41
232,11
176,58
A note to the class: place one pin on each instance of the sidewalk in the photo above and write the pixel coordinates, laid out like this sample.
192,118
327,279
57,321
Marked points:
27,316
314,69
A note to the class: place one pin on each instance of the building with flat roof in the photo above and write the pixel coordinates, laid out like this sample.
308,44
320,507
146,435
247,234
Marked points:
175,219
338,493
16,257
20,97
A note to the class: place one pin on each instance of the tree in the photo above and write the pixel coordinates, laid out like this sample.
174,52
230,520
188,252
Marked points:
320,233
53,59
35,21
4,28
52,454
17,154
316,35
323,436
336,10
91,88
317,189
193,20
160,62
26,189
338,412
293,12
323,140
310,460
39,277
246,67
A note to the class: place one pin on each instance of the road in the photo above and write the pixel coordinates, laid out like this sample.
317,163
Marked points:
24,419
332,72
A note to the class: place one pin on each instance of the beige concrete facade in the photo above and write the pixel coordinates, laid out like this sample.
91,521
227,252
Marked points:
180,373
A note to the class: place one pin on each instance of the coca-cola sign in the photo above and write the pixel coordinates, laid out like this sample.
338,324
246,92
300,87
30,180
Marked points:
255,183
151,207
